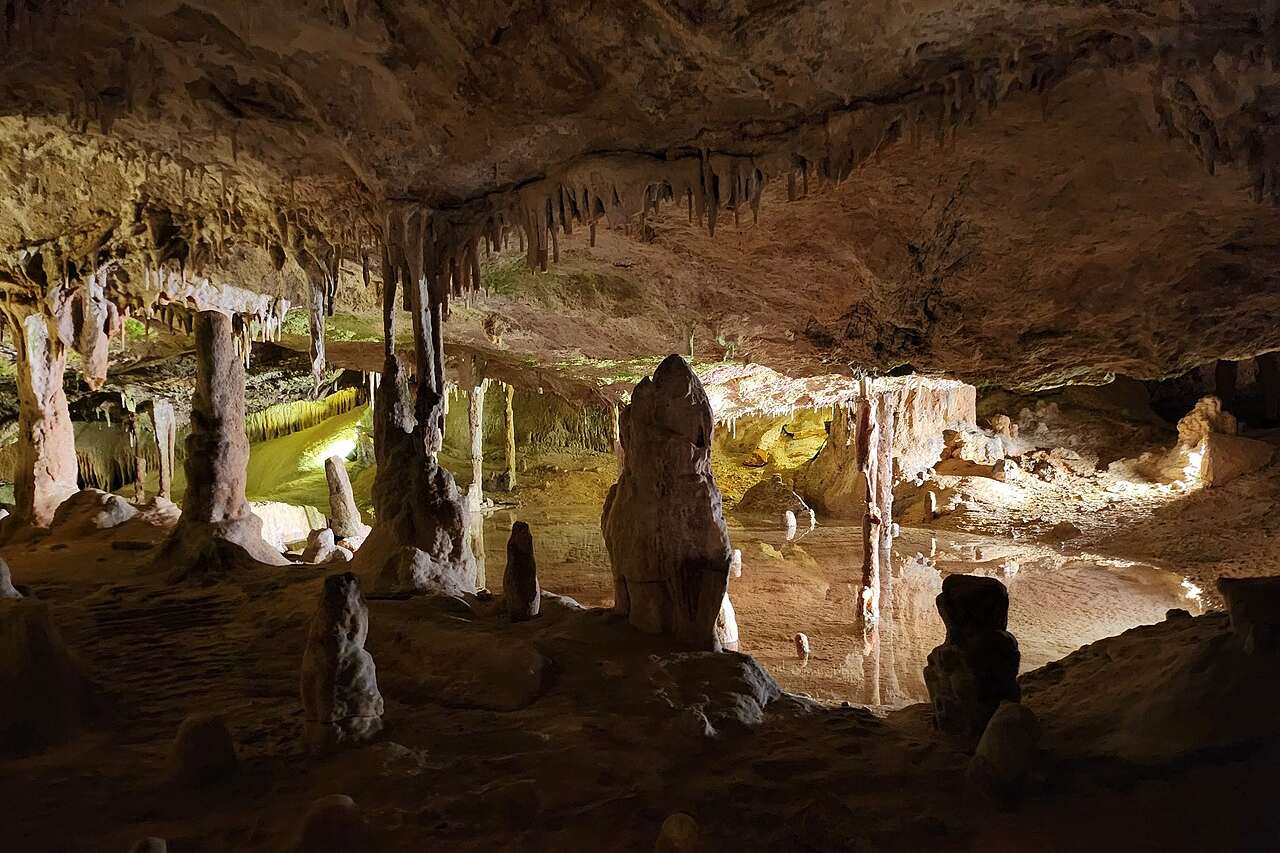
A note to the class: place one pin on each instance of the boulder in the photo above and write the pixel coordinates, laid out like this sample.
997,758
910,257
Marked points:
322,548
1225,457
334,824
663,521
520,587
202,752
976,667
1006,753
340,695
47,696
409,569
90,510
771,499
1254,605
679,834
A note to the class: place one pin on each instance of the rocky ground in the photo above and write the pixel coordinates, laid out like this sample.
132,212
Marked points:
574,732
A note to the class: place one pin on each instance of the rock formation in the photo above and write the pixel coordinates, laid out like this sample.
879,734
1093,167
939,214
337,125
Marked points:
1254,605
520,587
7,589
334,824
321,548
217,527
802,646
727,626
202,752
1006,753
976,667
344,515
46,467
770,498
662,522
340,697
90,510
47,696
165,426
419,540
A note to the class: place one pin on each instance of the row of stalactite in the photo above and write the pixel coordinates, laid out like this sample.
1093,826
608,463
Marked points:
285,418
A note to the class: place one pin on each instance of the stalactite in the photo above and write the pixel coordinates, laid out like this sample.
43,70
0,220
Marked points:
286,418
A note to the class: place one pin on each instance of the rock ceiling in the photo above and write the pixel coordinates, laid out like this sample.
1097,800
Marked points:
1016,192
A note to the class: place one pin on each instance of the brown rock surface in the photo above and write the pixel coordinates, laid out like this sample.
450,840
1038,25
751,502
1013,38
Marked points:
663,523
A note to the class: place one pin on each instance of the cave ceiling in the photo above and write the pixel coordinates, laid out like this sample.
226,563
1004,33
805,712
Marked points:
1016,193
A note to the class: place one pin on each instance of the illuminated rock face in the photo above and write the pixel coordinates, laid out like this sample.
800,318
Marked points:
663,522
976,667
217,528
340,695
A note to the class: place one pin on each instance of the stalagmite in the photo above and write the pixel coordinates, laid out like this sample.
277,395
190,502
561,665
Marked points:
520,587
802,646
663,522
727,626
976,667
217,527
344,515
7,589
45,475
202,752
509,424
340,697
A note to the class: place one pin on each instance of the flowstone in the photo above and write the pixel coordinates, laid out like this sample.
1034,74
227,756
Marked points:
340,695
663,521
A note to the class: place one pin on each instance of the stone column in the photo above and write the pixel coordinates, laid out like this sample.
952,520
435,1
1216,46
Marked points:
217,528
139,462
615,419
46,470
165,425
1269,382
475,427
315,316
344,515
509,422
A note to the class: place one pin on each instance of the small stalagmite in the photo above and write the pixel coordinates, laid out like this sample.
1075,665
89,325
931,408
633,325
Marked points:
340,695
663,521
520,580
344,515
334,824
802,646
203,752
727,626
976,667
217,528
7,589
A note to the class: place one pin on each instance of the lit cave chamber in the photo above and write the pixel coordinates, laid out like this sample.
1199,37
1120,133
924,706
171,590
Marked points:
642,426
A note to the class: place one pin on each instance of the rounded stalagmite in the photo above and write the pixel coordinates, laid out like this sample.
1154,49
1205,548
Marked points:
520,587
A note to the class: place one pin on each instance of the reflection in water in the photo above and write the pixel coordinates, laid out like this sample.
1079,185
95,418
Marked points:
813,584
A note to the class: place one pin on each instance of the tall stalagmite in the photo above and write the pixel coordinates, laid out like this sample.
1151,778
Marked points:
165,425
46,469
344,515
663,522
217,526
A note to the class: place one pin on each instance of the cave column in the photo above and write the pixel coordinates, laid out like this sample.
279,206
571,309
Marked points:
214,508
866,450
615,427
315,316
475,427
139,461
46,470
165,426
509,422
1269,380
